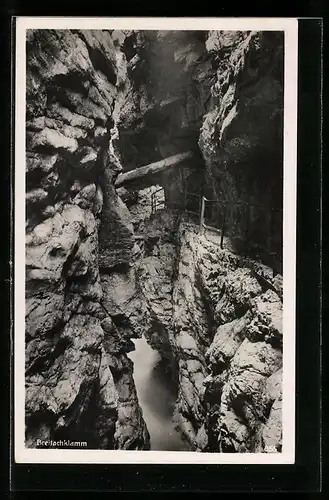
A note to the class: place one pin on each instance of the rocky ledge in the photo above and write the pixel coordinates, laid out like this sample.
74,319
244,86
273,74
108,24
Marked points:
217,320
103,269
79,238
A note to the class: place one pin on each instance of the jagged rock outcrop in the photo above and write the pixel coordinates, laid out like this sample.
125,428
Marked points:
218,321
156,276
79,382
170,75
241,138
102,268
221,91
140,206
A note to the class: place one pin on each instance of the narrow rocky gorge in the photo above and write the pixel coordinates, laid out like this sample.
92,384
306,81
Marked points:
103,268
219,326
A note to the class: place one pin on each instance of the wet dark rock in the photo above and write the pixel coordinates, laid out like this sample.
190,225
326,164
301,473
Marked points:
75,223
217,327
102,268
241,136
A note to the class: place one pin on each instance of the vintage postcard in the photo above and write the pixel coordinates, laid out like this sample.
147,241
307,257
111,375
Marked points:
155,234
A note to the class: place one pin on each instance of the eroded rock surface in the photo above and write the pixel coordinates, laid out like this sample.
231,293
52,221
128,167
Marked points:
102,268
79,383
223,330
241,137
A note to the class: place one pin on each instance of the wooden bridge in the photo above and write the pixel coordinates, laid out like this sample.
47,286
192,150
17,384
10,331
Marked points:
145,175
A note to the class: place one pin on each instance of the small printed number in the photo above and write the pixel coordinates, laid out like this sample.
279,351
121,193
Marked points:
270,449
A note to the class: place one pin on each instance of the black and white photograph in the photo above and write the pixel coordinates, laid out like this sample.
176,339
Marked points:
155,232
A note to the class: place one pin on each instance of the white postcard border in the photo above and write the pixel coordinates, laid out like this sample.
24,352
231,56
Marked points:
287,456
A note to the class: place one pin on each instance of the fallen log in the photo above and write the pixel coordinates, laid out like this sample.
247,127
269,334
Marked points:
153,168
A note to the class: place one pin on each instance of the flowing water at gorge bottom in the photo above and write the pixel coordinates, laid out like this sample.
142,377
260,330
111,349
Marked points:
156,398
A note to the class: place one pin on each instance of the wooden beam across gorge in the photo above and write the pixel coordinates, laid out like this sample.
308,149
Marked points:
142,174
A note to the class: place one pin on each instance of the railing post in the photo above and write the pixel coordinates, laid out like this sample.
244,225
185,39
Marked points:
223,227
273,254
203,200
246,251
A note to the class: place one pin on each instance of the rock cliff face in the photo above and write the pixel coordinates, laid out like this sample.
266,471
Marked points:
219,94
79,238
101,269
241,138
218,324
215,321
171,76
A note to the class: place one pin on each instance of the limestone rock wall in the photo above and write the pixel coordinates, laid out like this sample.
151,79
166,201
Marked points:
214,318
218,325
99,102
170,74
241,138
79,382
220,94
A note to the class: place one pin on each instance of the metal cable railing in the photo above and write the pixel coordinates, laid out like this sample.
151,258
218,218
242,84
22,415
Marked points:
213,214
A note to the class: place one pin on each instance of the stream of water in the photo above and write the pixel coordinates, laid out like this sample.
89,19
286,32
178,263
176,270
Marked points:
156,398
